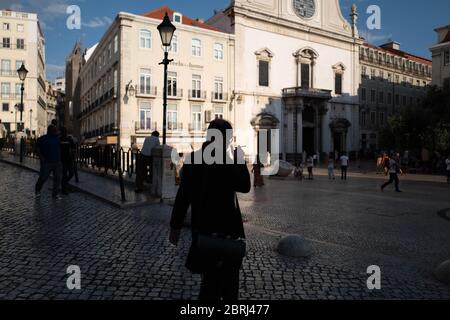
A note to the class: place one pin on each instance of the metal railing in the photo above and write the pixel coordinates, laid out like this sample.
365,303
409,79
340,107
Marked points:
197,95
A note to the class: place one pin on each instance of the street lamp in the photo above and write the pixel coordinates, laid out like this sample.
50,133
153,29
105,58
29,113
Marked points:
22,71
166,30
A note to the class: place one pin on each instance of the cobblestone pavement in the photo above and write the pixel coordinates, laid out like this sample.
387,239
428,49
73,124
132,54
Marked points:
125,254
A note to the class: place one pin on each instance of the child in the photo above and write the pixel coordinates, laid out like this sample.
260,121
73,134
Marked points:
331,168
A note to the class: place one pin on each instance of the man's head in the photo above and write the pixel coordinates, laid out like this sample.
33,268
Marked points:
222,126
54,123
155,134
52,130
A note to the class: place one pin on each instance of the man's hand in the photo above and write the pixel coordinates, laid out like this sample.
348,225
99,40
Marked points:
174,236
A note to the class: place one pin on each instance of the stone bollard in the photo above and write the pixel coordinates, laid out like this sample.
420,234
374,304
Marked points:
442,272
295,246
163,185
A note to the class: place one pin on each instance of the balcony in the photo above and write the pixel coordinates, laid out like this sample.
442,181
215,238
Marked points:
197,127
197,95
151,93
219,97
11,96
145,128
174,126
307,93
12,46
8,73
175,94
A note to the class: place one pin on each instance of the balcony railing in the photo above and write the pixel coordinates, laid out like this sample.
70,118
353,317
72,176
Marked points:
197,127
174,126
144,93
197,95
219,97
8,72
175,94
307,92
145,127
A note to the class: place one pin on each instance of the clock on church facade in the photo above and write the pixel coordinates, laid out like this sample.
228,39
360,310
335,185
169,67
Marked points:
304,8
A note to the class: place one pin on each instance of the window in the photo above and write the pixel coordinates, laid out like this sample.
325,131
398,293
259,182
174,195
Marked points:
218,112
389,98
145,81
372,96
6,67
20,28
18,89
172,84
6,43
196,47
218,88
363,118
197,118
116,43
109,51
372,74
218,51
381,97
178,18
172,117
447,58
363,94
397,79
116,82
5,107
397,100
404,100
19,64
196,86
338,83
6,26
373,119
145,39
381,115
145,116
390,77
364,72
263,73
20,44
174,44
5,90
381,73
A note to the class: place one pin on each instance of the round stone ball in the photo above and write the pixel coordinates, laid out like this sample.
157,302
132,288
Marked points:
294,246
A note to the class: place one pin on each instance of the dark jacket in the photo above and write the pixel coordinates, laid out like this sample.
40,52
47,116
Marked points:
210,190
49,148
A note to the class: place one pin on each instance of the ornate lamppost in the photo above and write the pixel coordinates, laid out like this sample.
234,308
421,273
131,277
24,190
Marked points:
22,71
166,30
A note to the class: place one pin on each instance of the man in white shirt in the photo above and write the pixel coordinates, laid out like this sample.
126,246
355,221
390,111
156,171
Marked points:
145,160
394,170
344,166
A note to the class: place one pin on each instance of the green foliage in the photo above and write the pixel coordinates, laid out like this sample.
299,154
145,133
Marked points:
426,125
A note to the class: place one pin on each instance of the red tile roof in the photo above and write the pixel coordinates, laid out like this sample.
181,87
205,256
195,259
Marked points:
160,12
402,54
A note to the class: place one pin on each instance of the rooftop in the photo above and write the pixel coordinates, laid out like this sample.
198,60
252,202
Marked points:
160,12
401,54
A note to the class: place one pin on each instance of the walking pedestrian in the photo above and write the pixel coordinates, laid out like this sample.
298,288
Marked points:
331,168
310,166
447,163
216,251
67,159
344,166
48,149
145,159
394,170
258,180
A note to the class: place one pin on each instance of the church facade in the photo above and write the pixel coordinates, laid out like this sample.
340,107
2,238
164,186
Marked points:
296,70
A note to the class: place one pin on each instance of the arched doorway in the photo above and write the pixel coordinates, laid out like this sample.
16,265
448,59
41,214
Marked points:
264,125
339,128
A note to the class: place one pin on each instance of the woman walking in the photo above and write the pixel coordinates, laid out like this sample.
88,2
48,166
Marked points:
258,180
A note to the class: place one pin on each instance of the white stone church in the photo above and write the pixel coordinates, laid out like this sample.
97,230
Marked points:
296,69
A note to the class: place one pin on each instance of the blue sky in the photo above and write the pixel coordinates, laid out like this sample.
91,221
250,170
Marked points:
409,22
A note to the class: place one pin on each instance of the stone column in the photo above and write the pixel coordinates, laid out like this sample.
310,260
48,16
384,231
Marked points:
300,129
163,185
316,130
